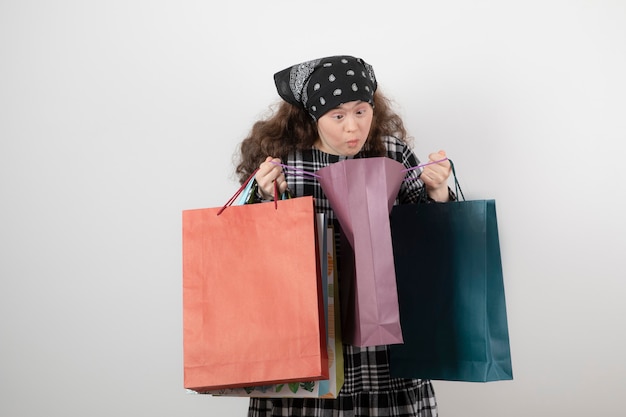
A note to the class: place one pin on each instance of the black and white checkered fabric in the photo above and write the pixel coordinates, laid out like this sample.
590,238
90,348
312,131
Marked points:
368,389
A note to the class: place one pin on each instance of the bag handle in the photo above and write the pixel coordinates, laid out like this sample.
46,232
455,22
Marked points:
457,186
425,164
243,187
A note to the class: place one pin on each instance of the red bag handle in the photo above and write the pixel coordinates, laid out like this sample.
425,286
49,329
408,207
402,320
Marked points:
243,186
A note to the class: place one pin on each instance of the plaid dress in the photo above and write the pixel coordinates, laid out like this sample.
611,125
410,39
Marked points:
368,389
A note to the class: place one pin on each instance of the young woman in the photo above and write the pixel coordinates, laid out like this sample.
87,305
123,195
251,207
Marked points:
332,110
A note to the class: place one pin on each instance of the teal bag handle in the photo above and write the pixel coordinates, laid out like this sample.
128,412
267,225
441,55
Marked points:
457,186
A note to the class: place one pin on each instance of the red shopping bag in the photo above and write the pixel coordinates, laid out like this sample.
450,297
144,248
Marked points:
252,296
362,193
320,388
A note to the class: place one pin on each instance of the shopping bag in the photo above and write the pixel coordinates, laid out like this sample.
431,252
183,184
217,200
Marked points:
361,193
451,293
311,389
252,296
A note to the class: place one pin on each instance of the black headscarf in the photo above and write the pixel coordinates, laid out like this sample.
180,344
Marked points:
322,84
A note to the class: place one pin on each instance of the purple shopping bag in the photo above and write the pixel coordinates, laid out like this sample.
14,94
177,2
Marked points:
362,193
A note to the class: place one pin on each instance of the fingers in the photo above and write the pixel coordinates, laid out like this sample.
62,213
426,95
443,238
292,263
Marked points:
439,156
436,175
268,174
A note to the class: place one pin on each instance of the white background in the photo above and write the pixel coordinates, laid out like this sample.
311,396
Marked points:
117,115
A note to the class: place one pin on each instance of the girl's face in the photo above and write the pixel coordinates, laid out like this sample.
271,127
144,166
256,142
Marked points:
344,130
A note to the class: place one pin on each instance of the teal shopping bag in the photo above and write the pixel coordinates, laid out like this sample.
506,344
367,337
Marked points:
451,293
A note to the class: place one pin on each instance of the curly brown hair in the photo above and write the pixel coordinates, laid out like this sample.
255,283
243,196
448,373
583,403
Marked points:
290,128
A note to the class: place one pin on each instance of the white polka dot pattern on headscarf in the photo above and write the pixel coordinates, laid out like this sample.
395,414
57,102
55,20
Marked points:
323,84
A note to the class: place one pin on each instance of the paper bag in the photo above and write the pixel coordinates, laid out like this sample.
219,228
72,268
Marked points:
452,301
252,296
311,389
362,193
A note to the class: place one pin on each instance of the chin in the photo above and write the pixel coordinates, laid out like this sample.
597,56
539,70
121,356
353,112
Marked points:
353,150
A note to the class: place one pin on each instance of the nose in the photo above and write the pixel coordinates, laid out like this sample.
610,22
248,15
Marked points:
350,124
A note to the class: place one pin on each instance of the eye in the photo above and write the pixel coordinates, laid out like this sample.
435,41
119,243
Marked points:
336,114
